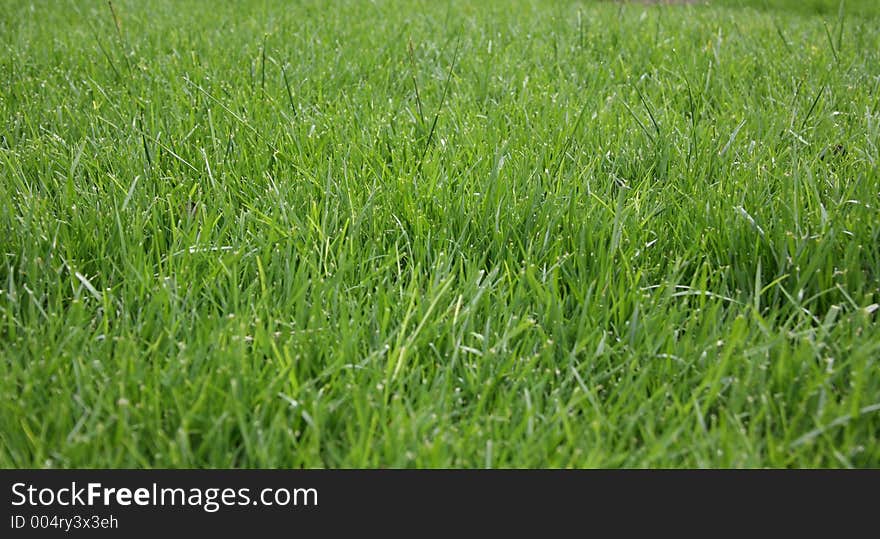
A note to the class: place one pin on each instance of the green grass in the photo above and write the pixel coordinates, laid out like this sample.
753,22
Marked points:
834,8
439,234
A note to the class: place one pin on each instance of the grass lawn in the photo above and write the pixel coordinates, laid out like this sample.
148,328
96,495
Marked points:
439,234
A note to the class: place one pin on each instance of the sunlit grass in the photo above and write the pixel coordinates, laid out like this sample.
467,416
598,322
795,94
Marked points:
438,234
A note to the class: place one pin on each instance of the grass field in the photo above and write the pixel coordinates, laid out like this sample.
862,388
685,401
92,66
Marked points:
439,234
